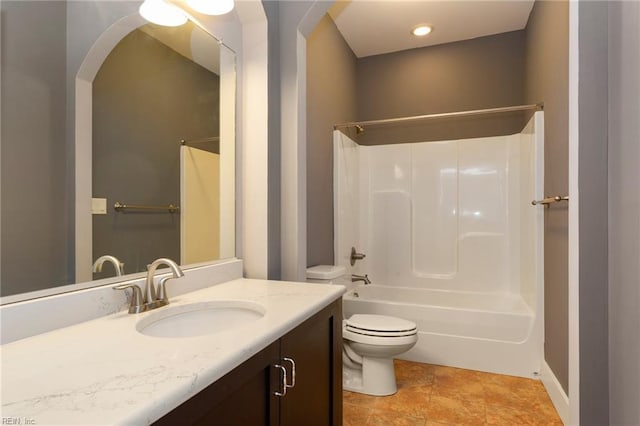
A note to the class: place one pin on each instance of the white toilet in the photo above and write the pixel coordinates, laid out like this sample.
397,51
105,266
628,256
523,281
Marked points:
369,341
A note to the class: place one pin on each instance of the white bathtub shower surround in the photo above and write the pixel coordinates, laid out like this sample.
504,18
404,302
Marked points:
346,199
452,243
478,331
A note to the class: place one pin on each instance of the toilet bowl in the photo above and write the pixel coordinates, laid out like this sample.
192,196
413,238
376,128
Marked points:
369,342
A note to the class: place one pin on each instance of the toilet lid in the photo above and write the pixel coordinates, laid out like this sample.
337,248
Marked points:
380,325
379,333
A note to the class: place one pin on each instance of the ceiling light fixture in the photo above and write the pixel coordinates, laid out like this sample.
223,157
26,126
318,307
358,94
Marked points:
422,30
162,13
211,7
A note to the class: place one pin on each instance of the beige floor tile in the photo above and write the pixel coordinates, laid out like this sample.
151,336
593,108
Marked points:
413,373
520,396
434,395
411,401
445,375
497,415
386,418
454,411
459,389
359,399
355,415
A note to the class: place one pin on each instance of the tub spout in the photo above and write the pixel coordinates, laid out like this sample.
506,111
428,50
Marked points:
364,278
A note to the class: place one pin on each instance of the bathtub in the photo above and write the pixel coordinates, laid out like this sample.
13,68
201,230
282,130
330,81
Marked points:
497,333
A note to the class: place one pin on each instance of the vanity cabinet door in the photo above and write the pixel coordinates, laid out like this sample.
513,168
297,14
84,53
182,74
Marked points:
316,349
243,397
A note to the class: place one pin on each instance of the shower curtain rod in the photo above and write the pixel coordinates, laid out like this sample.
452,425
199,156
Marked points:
359,124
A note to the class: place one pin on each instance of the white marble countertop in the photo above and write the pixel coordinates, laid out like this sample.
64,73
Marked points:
105,372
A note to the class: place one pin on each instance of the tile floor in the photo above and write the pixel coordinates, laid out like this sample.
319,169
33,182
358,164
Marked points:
436,395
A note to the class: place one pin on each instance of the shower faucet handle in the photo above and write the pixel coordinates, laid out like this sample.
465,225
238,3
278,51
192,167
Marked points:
356,256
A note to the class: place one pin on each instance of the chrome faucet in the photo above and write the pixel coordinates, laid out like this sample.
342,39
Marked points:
117,265
364,278
150,299
141,302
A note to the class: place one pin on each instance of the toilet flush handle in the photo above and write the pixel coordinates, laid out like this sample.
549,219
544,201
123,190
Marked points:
356,256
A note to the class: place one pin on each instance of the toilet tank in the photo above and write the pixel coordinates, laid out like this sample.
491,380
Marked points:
328,274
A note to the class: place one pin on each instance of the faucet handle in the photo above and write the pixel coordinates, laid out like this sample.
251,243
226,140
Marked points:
162,291
356,256
136,306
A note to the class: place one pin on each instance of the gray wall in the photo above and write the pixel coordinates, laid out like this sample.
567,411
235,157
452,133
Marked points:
593,220
146,98
34,163
331,99
45,42
624,212
272,10
547,73
485,72
480,73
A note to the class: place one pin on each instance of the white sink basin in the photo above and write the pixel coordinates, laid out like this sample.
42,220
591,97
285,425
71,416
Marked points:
199,319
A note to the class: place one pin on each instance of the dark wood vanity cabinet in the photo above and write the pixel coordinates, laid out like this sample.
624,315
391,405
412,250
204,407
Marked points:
247,395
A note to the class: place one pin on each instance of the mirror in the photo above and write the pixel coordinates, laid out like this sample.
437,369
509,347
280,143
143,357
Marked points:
101,109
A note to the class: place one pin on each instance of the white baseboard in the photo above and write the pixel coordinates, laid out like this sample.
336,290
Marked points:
554,389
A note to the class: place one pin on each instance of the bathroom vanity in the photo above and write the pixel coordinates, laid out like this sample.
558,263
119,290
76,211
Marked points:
258,393
112,370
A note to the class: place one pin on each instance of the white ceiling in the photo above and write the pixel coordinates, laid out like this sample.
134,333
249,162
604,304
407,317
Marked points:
376,27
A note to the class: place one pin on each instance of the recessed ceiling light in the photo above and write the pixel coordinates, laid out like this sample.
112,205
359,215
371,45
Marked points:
162,13
421,30
211,7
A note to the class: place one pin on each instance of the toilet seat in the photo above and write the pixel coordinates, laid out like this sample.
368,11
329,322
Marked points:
379,325
350,336
379,330
380,333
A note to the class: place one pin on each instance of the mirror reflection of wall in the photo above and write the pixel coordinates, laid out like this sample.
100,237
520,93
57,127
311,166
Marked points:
147,97
45,243
35,166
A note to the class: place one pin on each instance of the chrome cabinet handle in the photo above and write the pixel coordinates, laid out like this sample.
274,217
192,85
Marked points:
293,373
283,385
